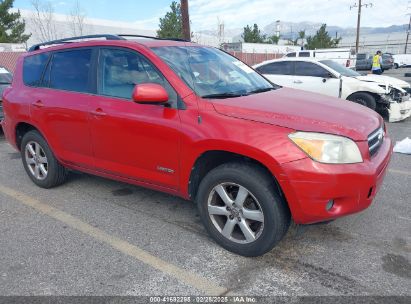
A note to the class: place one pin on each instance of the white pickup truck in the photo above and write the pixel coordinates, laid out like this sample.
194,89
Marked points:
401,60
387,95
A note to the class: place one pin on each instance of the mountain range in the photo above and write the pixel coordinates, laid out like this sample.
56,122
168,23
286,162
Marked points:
289,30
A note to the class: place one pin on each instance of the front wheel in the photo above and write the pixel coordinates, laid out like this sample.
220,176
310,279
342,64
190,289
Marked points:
241,210
364,99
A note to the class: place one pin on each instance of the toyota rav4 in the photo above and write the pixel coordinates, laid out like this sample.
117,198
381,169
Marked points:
194,122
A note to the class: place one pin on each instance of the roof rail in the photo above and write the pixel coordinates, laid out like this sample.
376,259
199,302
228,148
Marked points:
70,40
152,37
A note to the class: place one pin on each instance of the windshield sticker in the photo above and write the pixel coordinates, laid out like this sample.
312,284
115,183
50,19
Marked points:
244,67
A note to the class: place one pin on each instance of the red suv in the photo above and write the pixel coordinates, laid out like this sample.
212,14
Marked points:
194,122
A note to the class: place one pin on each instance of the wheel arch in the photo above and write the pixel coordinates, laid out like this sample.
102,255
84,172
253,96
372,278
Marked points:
23,128
376,96
211,159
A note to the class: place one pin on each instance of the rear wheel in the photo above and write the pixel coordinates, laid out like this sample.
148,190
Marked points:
363,99
241,209
39,161
396,66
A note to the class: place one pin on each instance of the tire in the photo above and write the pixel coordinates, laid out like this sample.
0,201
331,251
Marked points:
39,161
364,99
269,212
396,66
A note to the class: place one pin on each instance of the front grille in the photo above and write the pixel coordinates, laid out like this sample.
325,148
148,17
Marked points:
375,140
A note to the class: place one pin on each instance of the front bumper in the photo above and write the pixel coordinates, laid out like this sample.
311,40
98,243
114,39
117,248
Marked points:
309,186
399,111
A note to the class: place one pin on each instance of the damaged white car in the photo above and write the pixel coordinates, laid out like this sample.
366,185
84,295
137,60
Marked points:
386,95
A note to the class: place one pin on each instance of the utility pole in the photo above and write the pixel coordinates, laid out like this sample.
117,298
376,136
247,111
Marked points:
357,40
409,27
408,34
186,20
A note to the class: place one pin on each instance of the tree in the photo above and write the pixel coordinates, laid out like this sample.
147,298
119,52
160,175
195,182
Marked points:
301,36
253,35
322,40
11,26
171,26
76,19
43,18
273,39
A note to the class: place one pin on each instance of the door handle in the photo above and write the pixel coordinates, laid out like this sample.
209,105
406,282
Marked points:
38,104
98,112
298,81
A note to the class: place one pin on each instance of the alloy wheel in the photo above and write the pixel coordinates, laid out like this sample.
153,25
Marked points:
235,213
36,160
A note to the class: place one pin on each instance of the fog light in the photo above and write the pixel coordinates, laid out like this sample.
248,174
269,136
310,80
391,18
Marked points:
329,205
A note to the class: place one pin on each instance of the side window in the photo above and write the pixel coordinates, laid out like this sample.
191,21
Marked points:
291,54
120,70
33,67
361,56
277,68
70,71
304,54
310,69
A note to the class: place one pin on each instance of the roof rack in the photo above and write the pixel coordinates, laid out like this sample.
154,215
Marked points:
106,36
152,37
70,40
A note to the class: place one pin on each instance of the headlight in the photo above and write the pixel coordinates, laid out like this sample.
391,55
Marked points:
327,148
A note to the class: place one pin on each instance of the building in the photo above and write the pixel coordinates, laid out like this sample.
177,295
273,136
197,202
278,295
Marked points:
260,48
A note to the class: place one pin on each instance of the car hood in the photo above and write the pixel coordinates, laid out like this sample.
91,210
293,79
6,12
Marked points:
384,80
303,111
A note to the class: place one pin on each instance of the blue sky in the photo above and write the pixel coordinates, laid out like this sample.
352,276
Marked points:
128,10
204,14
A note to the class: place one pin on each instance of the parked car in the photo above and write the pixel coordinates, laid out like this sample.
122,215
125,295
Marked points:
387,95
5,81
343,56
402,60
364,61
195,122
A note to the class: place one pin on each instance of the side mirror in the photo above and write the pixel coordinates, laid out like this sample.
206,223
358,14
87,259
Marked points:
150,93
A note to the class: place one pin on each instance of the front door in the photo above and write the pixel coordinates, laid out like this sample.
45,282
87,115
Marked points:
314,78
137,141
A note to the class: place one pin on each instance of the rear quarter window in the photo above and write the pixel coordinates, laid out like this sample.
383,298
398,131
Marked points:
33,67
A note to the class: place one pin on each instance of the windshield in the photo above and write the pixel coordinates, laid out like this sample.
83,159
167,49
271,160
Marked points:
212,73
340,68
5,76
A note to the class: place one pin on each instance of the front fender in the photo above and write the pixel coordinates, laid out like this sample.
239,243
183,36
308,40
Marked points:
264,143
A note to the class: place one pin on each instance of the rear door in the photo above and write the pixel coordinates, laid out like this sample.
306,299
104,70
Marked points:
60,104
280,72
312,77
137,141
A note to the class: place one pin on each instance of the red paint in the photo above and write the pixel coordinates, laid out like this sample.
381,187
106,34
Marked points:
149,93
134,142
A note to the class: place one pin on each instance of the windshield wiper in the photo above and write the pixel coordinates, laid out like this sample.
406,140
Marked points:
223,95
261,90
